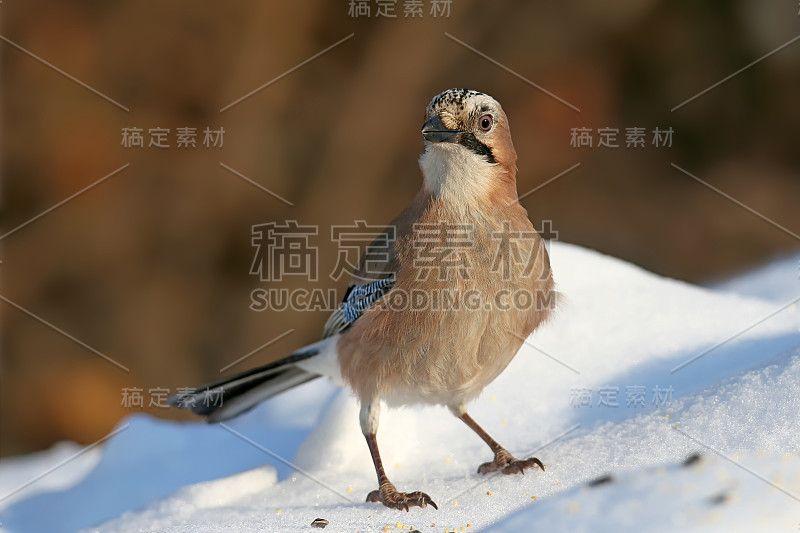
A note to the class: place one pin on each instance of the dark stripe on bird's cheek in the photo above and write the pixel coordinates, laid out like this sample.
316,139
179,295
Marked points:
469,140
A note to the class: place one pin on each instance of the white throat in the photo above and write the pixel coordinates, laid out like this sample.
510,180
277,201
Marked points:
455,174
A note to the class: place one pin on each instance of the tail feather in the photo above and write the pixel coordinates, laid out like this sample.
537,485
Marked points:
228,397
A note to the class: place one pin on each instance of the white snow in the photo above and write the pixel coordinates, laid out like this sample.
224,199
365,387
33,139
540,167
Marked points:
60,467
779,281
719,370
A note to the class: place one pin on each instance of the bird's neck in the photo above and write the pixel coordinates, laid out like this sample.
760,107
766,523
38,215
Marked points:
464,179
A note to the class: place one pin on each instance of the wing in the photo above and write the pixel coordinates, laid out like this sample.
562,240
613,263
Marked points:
374,278
357,299
378,267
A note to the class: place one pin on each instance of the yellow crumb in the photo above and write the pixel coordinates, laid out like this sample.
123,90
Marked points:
666,416
505,422
349,489
488,493
447,459
279,511
398,524
385,528
533,497
455,502
397,465
492,398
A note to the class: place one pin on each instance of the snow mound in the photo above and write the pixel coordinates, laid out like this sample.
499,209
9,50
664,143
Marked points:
705,493
778,281
599,391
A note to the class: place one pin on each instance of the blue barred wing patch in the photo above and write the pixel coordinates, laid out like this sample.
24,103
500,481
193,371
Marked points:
361,297
357,299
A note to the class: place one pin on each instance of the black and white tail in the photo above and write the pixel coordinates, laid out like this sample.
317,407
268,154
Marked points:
232,396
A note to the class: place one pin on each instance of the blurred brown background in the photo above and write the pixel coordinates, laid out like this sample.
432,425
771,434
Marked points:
151,266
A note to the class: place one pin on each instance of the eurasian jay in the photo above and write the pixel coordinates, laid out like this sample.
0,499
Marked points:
466,243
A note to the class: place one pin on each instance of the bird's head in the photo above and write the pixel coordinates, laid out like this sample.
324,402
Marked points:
468,148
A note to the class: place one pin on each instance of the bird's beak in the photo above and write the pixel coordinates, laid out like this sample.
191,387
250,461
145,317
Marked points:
435,131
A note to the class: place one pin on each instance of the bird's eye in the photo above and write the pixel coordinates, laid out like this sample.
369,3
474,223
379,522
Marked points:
485,122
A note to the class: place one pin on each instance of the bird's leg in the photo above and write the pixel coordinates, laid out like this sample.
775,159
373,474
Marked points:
503,460
386,493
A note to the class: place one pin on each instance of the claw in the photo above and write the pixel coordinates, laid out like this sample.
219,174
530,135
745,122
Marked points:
394,499
509,465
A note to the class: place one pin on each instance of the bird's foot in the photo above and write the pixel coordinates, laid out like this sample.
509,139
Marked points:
394,499
508,464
